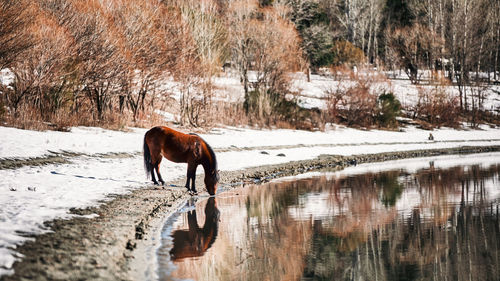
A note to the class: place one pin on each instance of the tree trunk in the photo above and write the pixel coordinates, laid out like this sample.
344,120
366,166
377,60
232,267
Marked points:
495,66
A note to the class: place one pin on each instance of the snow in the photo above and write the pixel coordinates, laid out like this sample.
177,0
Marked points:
30,196
89,140
313,94
167,116
18,143
6,77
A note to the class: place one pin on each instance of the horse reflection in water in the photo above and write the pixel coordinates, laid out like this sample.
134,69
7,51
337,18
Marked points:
195,241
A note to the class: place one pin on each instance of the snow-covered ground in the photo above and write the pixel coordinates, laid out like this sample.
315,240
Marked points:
30,196
314,94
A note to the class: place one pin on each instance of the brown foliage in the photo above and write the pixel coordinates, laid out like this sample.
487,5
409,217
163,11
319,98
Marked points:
346,53
355,102
13,38
276,52
262,41
41,76
103,58
436,107
144,27
203,41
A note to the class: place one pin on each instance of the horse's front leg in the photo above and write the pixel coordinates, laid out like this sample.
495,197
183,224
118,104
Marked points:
191,176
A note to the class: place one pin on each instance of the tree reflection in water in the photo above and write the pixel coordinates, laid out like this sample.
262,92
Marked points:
434,224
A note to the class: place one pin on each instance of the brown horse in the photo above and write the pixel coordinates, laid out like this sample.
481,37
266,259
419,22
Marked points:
180,148
195,241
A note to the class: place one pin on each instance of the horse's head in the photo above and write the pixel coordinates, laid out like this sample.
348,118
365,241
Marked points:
211,181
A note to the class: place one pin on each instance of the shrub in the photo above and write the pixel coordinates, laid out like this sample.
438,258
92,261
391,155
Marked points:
389,108
345,53
354,106
288,111
356,102
436,107
359,106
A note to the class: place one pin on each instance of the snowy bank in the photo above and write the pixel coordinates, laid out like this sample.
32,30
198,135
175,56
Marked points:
30,196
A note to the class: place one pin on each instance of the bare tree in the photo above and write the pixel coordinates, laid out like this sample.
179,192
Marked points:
358,21
495,21
144,27
276,54
101,64
208,31
412,45
266,42
375,8
239,18
43,72
13,37
467,39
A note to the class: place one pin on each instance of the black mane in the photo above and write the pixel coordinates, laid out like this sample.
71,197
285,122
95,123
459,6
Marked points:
215,174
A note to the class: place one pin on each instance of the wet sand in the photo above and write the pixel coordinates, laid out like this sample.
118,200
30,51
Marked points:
115,244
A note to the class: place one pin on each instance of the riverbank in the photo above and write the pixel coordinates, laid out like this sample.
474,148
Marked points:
111,241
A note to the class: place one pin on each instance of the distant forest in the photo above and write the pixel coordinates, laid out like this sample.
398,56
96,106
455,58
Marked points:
106,62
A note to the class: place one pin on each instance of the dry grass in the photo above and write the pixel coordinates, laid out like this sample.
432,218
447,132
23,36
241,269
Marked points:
29,117
227,113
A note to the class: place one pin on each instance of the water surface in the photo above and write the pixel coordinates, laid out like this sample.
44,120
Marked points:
401,223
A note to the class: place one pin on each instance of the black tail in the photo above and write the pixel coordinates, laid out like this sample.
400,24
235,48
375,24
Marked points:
148,166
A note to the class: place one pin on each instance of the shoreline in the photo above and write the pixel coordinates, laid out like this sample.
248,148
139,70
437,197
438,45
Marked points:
116,243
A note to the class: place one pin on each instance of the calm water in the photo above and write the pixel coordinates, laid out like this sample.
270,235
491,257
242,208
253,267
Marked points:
426,224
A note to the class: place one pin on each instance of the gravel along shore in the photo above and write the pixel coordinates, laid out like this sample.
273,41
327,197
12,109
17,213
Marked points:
114,245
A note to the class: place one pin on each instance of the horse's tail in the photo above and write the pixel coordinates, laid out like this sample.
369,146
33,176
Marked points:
148,166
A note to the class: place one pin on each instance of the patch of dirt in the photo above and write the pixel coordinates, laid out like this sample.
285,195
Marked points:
13,163
103,247
63,157
276,147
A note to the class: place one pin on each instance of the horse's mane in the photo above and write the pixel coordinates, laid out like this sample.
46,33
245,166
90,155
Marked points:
212,154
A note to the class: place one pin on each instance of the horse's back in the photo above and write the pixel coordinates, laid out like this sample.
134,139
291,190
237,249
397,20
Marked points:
162,131
173,145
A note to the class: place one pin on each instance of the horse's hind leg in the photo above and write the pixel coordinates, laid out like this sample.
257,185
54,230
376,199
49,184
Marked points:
155,161
153,176
157,168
